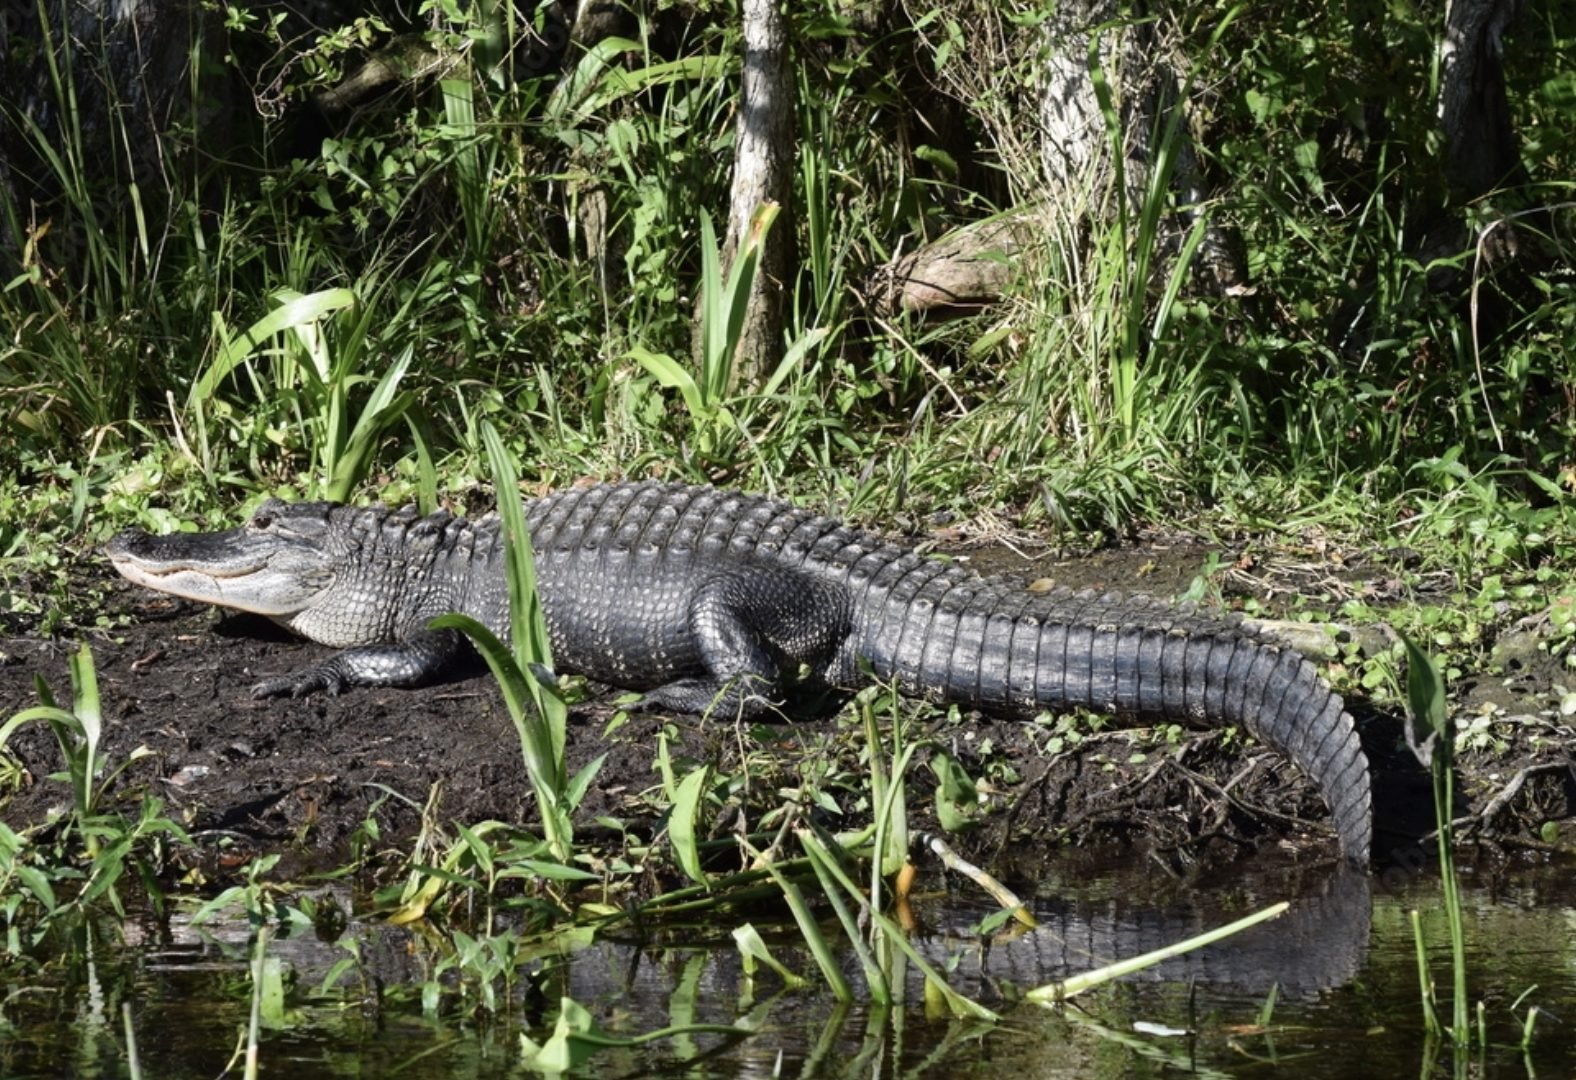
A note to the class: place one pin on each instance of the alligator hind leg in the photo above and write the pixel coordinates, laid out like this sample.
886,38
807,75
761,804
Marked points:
758,630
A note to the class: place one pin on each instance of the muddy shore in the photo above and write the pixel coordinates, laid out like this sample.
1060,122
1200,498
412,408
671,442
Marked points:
303,777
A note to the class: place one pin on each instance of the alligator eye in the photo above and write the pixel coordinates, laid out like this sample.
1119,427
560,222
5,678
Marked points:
262,520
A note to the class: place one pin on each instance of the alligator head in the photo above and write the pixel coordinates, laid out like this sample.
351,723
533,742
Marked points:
279,564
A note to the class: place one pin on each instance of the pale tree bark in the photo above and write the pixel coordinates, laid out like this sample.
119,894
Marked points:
1063,162
1075,157
1144,67
763,155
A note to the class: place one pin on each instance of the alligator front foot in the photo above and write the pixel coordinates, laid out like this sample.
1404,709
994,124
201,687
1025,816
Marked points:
416,661
301,683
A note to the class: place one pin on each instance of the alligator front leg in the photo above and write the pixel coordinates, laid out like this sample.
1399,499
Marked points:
757,629
415,661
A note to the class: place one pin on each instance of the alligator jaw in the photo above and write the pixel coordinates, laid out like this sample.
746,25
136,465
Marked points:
236,569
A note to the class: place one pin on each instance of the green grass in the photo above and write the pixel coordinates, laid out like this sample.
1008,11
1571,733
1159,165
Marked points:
1110,391
55,873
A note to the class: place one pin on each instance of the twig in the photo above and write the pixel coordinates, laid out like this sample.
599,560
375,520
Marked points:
1503,797
951,860
1240,803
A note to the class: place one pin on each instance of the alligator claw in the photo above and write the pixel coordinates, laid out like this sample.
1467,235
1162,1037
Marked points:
299,685
270,688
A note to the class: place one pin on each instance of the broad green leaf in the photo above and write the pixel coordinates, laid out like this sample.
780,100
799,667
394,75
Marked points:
793,357
235,894
576,789
600,79
511,680
1425,690
682,819
271,992
38,712
295,312
814,940
669,373
552,871
576,1037
957,800
753,949
480,850
528,624
38,884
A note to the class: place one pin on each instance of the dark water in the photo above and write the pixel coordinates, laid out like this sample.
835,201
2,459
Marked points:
1342,961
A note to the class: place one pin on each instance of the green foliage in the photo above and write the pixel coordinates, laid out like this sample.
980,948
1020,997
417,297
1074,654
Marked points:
77,733
845,896
523,670
576,1038
1433,739
888,786
524,250
753,950
723,308
320,367
484,257
42,885
682,817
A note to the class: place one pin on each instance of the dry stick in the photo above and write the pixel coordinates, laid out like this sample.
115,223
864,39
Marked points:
1241,804
1004,896
1502,798
1108,810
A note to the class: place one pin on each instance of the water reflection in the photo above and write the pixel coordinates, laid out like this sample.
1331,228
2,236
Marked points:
1342,962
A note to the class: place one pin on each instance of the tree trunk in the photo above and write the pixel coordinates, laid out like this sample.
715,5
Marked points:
1071,149
128,69
1474,115
763,153
1076,163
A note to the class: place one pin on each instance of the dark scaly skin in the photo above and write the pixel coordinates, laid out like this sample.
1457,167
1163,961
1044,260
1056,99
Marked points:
712,600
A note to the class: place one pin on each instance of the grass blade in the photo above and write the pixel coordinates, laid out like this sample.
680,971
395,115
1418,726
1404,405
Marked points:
682,816
295,313
528,624
1053,993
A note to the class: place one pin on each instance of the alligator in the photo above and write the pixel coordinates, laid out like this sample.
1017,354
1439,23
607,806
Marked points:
706,600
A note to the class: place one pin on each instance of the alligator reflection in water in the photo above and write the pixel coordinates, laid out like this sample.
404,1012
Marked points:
1319,944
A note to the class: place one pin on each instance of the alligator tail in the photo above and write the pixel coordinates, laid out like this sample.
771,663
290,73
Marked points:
985,647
